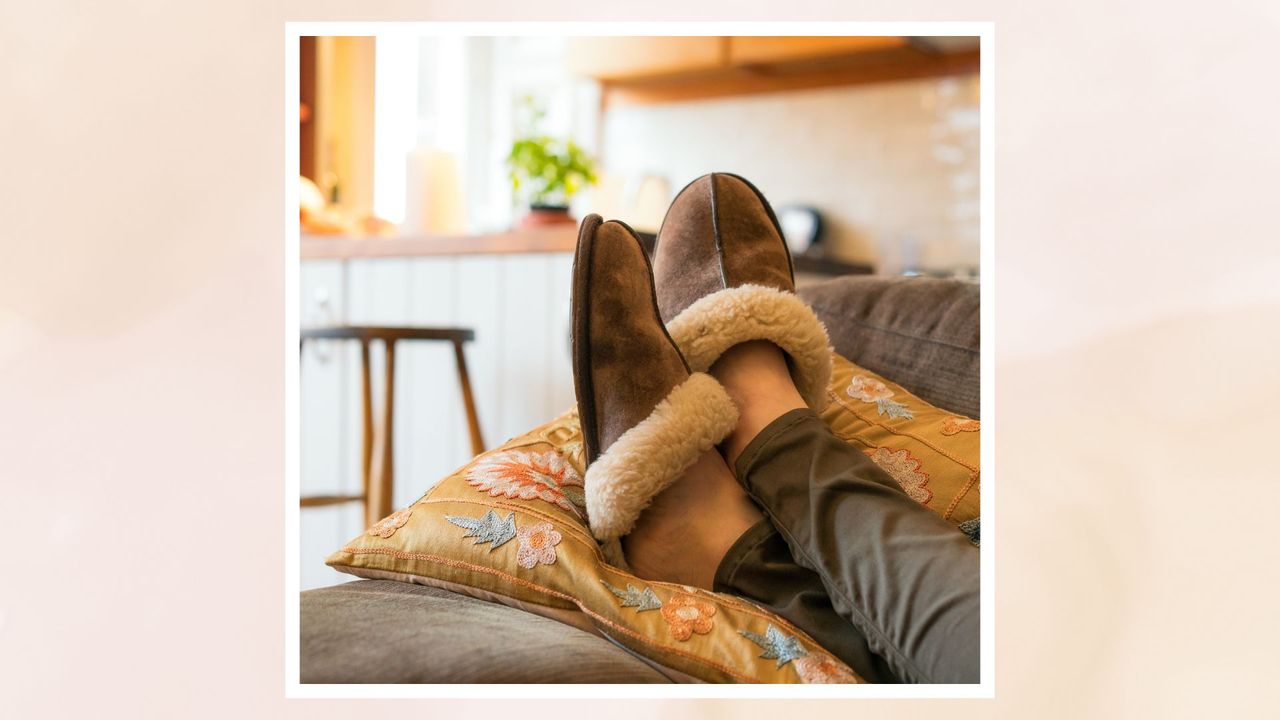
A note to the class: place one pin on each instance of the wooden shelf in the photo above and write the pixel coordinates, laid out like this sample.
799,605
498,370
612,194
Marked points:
902,63
774,49
643,70
561,238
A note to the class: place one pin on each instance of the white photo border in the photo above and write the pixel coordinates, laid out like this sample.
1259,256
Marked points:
985,31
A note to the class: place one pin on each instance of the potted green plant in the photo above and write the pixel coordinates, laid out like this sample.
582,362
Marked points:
546,172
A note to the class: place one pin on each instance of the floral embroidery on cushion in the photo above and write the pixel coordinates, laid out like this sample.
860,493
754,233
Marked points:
867,390
823,669
873,391
641,600
563,431
893,409
687,614
576,453
537,545
905,469
776,644
566,436
487,529
954,425
387,526
546,476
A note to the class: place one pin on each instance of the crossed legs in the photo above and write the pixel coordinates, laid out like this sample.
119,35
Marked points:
811,528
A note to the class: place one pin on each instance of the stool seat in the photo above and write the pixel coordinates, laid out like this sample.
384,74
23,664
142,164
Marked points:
377,446
387,332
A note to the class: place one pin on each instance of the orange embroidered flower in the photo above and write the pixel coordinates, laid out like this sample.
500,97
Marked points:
953,425
537,545
905,469
546,476
687,614
823,669
867,390
387,526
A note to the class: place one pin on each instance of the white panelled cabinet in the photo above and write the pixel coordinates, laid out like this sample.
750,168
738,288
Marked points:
521,372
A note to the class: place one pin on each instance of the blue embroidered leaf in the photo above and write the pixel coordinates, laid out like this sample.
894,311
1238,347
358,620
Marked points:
776,644
972,528
641,600
894,409
487,529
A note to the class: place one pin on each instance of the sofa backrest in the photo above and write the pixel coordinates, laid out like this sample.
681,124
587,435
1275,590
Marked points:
922,333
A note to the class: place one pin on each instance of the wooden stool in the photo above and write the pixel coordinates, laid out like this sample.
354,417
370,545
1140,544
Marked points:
377,464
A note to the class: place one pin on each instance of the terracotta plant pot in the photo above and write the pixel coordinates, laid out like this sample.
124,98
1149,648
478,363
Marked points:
544,215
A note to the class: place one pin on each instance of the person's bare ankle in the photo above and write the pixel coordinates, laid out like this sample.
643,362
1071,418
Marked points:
757,378
684,535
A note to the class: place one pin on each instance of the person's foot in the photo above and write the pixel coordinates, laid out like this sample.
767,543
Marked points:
724,277
755,375
649,427
685,534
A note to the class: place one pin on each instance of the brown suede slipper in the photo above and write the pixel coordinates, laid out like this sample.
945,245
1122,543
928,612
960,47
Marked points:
645,419
724,277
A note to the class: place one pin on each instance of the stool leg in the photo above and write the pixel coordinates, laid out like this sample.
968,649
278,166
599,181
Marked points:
366,434
468,402
380,499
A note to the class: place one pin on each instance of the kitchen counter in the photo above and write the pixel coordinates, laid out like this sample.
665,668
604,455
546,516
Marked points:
556,239
559,238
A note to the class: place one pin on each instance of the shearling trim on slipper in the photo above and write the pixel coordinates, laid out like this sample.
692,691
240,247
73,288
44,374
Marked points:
641,463
717,322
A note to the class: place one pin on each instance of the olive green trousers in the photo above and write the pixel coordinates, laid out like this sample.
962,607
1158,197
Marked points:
879,580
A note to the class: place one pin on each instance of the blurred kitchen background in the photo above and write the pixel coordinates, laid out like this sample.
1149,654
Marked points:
442,178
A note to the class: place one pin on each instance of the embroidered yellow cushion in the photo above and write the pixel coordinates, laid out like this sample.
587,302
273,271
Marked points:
510,527
933,454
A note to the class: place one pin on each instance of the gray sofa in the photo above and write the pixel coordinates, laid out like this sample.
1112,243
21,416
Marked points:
920,332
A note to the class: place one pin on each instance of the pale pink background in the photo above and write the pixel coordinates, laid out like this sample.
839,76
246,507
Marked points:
141,362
